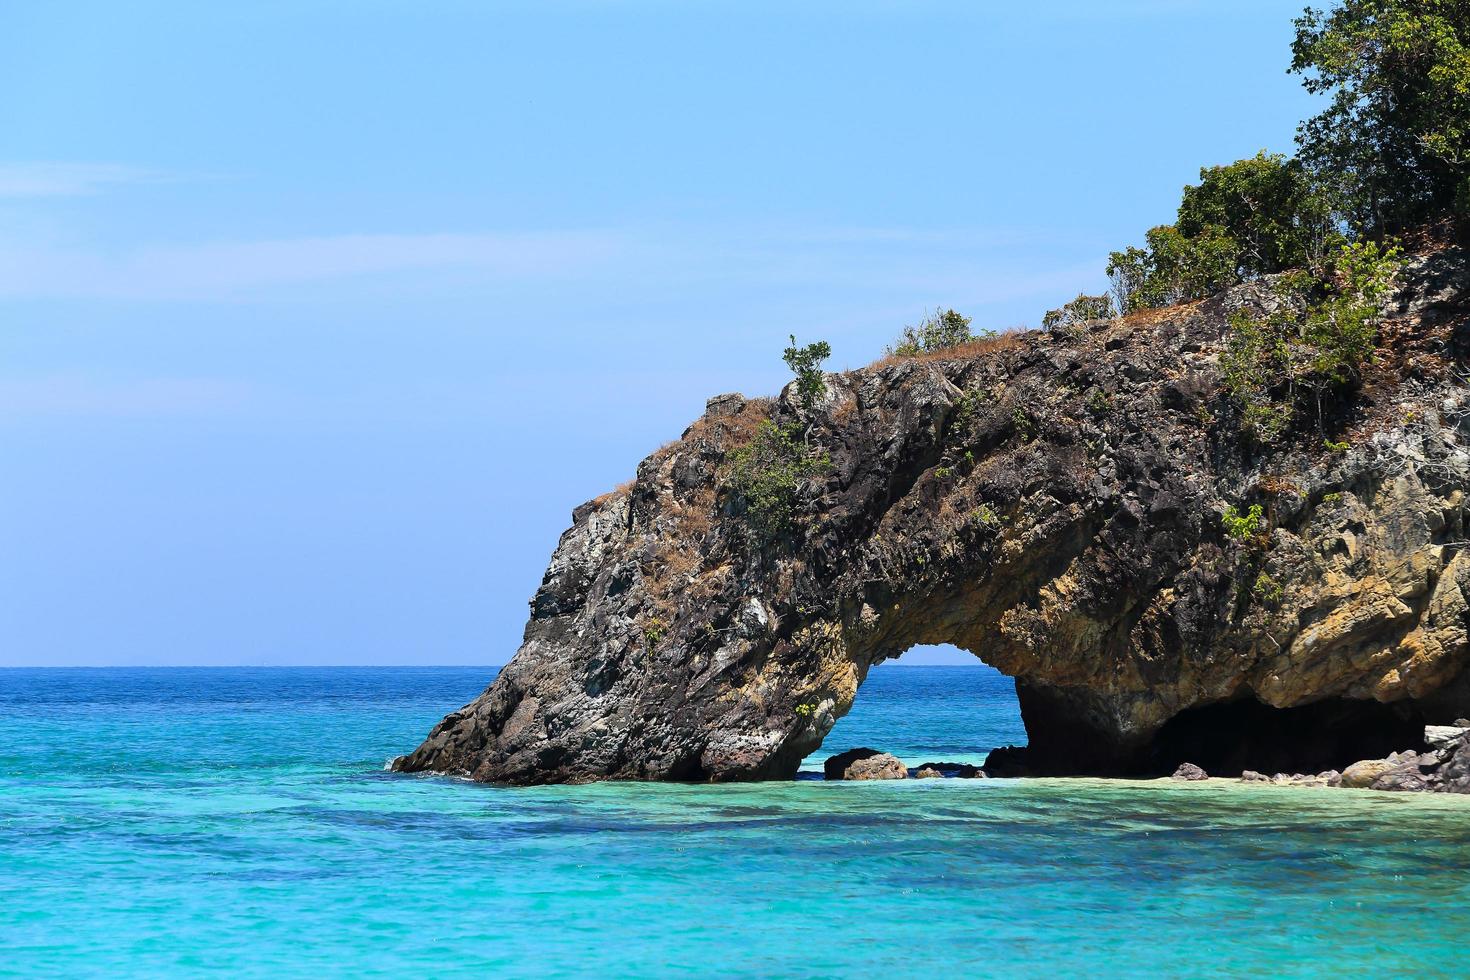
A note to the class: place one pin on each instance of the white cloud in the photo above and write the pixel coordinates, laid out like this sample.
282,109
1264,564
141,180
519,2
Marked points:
66,179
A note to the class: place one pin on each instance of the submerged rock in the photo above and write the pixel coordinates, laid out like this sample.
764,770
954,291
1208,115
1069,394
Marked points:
864,764
1190,772
1051,503
928,772
951,770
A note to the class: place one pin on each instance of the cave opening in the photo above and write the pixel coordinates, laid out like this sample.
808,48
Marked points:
1228,738
932,704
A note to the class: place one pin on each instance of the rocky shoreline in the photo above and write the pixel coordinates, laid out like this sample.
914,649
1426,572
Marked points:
1442,767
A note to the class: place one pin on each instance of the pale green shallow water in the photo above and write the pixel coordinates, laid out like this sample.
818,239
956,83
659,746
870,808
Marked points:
177,822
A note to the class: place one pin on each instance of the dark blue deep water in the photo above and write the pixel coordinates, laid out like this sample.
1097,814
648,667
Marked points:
177,822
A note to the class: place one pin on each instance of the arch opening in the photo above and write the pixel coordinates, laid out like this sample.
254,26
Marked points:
932,704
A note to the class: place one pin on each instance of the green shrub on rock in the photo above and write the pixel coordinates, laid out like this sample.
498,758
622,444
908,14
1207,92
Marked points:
1069,316
767,473
1317,341
936,332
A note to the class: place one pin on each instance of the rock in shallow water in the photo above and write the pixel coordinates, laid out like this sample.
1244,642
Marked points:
1190,772
864,764
951,770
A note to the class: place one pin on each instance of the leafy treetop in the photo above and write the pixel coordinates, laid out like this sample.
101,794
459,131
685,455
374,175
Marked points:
806,364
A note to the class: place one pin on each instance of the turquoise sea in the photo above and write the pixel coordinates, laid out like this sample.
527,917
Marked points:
177,822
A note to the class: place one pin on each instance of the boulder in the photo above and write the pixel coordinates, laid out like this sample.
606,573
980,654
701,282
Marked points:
864,764
1190,772
1361,775
1251,776
1438,736
952,770
928,772
1406,777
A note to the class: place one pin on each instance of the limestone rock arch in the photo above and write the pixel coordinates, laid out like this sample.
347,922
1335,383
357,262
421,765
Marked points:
1051,504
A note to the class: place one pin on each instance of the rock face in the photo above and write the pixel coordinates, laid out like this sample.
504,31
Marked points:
1361,775
865,764
1052,504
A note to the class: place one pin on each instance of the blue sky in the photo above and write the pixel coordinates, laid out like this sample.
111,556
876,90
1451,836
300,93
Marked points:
317,319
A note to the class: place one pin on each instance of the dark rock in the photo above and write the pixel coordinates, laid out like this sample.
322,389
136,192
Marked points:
1191,772
864,764
953,770
1406,777
725,405
1454,775
1076,543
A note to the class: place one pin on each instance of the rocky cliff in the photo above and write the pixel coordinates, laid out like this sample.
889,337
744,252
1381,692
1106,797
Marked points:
1052,504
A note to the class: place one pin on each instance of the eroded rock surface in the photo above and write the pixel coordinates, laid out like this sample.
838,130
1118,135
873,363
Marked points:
865,764
1052,504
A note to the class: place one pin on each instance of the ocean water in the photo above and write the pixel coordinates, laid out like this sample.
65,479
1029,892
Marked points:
179,822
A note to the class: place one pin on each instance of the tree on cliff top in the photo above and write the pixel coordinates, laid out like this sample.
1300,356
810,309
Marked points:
1394,142
806,364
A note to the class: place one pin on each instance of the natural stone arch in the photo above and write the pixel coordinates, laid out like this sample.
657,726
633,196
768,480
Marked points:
1051,504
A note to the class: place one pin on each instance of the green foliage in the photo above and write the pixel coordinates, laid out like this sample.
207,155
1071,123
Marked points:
985,516
1250,218
1068,317
1394,141
1243,527
767,474
1267,205
1317,341
1332,497
943,472
1173,268
804,710
969,405
1335,447
806,364
936,332
1267,590
1025,427
654,631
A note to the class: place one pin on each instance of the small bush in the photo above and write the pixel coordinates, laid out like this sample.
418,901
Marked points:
1267,590
767,474
936,332
1024,425
1174,268
806,364
1243,527
1316,342
1068,317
